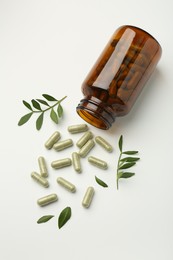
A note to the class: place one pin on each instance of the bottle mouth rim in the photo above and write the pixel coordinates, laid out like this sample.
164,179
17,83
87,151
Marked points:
95,114
92,119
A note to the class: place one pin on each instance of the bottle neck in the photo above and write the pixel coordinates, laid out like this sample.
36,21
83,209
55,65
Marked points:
96,112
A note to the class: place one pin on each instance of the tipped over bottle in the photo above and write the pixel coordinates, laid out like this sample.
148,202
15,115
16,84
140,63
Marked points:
118,76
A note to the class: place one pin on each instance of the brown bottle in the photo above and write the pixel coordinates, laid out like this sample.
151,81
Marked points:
118,76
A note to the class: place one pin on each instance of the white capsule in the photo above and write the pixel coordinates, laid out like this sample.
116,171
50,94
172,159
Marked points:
102,142
86,148
74,129
98,162
47,199
52,140
42,166
66,184
76,162
39,179
84,139
88,197
63,145
61,163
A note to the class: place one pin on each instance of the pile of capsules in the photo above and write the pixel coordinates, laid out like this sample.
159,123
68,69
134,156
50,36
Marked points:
85,144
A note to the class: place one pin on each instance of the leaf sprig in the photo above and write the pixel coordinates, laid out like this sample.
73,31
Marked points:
35,107
125,163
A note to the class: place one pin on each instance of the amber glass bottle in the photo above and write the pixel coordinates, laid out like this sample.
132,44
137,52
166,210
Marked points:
118,76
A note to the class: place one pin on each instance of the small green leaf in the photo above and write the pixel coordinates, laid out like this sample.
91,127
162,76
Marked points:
39,121
27,105
60,110
43,102
127,165
49,98
64,217
120,143
130,159
54,116
126,175
36,104
130,152
24,119
100,182
44,219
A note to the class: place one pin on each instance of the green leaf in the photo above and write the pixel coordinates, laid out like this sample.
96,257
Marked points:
127,165
43,102
49,98
64,217
39,121
60,110
130,152
54,116
126,175
44,219
24,119
120,143
130,159
36,104
100,182
26,104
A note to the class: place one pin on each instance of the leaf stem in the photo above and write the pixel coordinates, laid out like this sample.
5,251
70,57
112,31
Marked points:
117,183
118,166
54,105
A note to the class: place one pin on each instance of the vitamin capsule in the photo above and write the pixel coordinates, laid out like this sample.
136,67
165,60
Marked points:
52,140
113,88
63,145
102,142
76,162
61,163
129,76
124,74
124,94
88,197
37,177
42,166
66,184
134,80
86,148
74,129
97,162
135,67
104,95
84,139
119,83
136,48
47,199
141,60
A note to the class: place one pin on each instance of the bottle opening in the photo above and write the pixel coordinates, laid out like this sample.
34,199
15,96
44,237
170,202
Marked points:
91,119
95,114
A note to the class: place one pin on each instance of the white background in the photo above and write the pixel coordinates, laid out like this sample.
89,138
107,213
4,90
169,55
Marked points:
49,47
